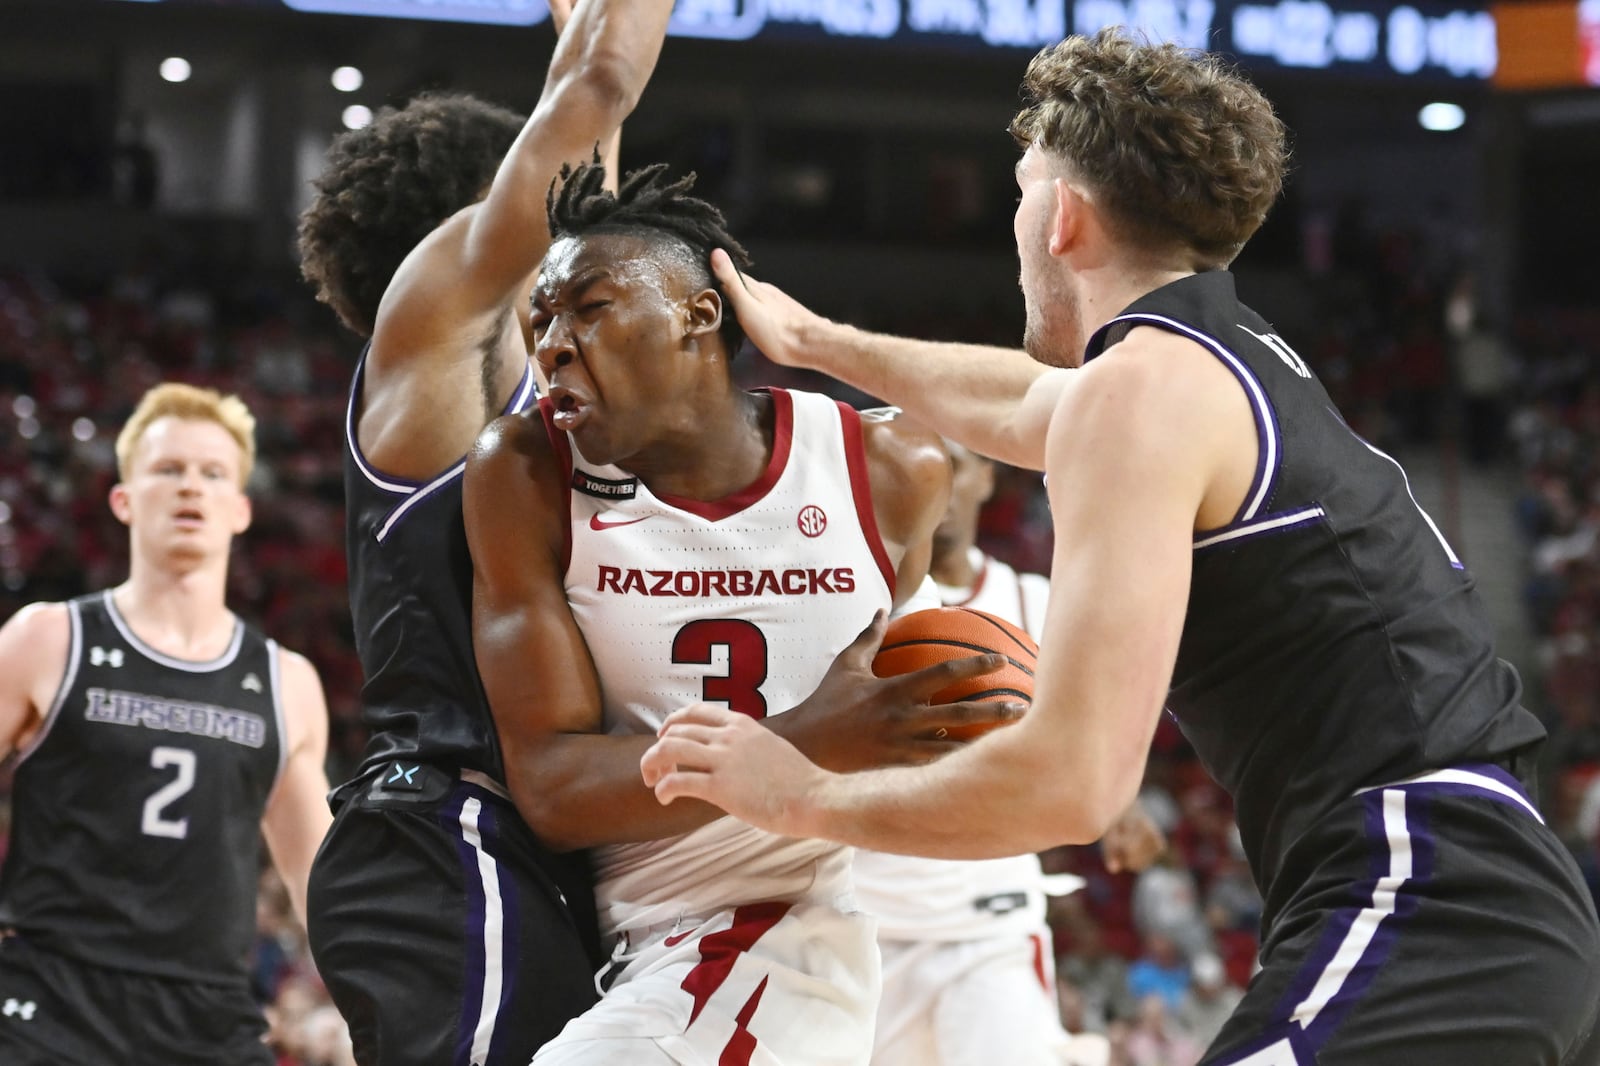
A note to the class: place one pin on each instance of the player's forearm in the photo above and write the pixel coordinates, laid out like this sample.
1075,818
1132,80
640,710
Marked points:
978,803
968,392
583,791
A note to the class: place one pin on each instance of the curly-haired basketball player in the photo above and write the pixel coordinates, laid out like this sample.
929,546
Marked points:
445,930
1227,548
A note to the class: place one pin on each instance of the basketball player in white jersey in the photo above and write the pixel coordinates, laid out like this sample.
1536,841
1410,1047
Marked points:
714,545
968,960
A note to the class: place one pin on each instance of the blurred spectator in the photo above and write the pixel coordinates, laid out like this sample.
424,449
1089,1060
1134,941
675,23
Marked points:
1210,1000
1161,972
1156,1039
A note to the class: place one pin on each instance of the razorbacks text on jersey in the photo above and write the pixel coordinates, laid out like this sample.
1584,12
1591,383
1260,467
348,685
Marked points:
1334,640
411,605
136,824
743,601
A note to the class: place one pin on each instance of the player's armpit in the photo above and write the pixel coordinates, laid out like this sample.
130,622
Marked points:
34,644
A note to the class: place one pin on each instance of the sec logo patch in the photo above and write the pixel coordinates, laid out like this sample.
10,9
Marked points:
812,521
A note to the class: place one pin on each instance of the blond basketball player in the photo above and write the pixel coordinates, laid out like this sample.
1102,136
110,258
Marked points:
651,537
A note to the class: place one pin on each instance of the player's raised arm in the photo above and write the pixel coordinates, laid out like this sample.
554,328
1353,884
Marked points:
297,816
995,401
34,644
486,254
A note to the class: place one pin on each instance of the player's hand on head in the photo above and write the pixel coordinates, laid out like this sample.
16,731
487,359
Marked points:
728,759
773,320
856,720
1133,842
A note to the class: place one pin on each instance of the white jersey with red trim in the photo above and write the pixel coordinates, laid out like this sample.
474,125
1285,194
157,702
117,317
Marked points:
937,899
742,601
1000,590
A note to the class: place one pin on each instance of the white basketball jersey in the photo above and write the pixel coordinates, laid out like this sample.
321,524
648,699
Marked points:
1001,591
937,899
742,601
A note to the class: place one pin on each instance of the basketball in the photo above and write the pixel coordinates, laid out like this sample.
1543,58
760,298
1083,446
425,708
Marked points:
924,638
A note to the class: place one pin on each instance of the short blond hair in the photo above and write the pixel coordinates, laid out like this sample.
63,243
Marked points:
175,400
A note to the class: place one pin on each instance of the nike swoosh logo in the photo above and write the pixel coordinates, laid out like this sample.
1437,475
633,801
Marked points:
597,525
677,938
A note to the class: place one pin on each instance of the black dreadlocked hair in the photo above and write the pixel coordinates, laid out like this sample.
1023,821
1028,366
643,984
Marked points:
652,205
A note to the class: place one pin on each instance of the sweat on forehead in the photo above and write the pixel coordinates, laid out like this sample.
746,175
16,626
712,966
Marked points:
622,251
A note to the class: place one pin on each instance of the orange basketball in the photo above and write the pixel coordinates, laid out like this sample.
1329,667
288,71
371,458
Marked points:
924,638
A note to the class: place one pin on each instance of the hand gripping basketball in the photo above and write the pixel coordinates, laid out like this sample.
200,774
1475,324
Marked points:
927,638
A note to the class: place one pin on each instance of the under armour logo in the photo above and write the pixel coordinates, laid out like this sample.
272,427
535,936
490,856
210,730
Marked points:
251,682
16,1008
99,656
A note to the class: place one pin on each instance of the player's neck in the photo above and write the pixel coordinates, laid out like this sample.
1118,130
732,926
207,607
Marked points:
1108,291
181,612
721,446
955,568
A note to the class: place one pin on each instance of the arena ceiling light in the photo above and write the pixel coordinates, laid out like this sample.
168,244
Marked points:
356,116
175,68
1442,117
347,79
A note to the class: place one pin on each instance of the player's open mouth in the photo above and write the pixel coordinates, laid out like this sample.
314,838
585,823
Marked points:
570,411
189,518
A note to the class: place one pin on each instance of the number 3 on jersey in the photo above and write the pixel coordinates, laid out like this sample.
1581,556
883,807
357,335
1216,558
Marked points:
740,686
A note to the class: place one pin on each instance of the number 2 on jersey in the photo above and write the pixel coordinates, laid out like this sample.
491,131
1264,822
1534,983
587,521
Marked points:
740,687
155,823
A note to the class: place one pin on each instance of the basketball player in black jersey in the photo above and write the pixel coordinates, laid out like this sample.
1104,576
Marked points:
1227,548
445,931
159,738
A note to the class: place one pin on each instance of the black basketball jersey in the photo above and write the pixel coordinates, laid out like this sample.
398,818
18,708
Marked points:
1333,639
136,810
411,601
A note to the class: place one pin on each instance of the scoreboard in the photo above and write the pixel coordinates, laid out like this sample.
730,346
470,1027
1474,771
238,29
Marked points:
1433,39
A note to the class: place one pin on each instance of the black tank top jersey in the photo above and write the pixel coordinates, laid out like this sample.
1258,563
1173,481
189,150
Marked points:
136,810
1333,639
411,602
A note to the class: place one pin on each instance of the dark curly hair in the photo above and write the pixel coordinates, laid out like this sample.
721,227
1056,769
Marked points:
649,204
1180,148
389,185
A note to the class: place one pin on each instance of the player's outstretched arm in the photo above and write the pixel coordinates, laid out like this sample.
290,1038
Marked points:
34,644
996,401
297,816
1134,450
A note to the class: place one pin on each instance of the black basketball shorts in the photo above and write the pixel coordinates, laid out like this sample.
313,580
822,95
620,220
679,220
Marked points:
1441,923
445,933
60,1011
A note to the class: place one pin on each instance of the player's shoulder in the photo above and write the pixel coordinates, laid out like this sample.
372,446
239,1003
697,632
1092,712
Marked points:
518,442
36,640
42,620
889,435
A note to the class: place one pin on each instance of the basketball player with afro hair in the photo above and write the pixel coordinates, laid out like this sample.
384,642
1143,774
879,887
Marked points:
446,932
